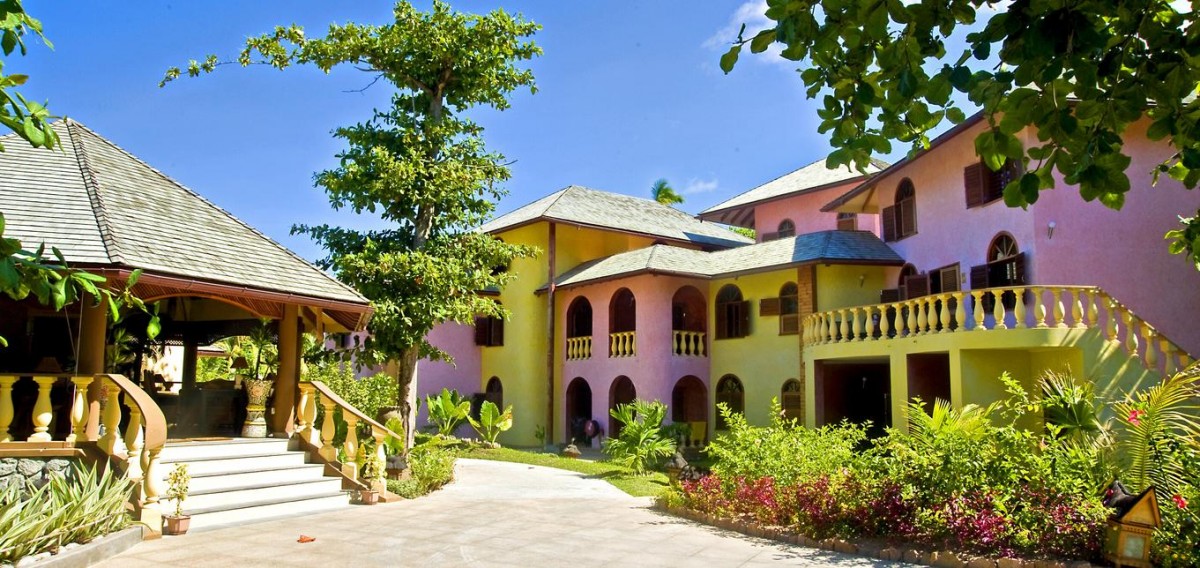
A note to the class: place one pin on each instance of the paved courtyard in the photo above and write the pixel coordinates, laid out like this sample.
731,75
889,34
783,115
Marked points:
494,514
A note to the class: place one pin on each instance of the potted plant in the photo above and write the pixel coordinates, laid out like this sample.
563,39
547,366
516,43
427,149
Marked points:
262,349
177,490
371,473
394,449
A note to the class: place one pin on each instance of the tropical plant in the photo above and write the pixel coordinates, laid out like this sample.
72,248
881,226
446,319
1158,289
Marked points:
448,410
663,193
431,466
491,421
178,481
261,349
371,466
641,443
392,445
1156,423
75,508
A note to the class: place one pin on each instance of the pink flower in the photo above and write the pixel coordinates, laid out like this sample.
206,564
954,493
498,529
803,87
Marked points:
1135,417
1179,501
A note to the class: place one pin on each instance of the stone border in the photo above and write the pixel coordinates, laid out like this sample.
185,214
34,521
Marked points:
910,555
84,555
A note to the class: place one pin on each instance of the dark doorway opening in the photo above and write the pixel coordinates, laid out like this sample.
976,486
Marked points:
929,378
579,410
622,392
859,392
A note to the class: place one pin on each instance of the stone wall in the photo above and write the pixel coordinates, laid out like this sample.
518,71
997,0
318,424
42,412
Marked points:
33,472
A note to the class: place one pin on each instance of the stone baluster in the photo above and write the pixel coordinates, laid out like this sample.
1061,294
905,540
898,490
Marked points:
960,311
328,452
920,316
110,418
1110,324
1151,338
302,423
998,308
351,444
855,326
312,435
42,411
6,406
1060,314
152,489
910,306
380,452
133,440
1019,309
872,326
944,318
79,409
1092,312
1077,308
884,325
843,327
1169,356
1039,308
1131,334
977,308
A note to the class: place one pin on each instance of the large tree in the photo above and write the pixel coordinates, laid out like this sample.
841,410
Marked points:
1078,73
420,164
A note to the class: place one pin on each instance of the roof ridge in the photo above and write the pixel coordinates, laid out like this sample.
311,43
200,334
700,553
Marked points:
111,248
204,200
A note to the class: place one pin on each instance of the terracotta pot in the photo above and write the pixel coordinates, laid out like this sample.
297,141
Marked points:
368,497
173,525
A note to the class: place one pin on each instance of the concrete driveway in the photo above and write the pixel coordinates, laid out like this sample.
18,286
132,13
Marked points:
494,514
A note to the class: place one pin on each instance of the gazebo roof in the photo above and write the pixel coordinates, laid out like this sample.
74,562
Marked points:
106,209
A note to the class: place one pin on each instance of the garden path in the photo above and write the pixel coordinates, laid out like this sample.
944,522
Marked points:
494,514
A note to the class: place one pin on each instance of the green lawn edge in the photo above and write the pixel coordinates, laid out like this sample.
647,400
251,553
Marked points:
650,485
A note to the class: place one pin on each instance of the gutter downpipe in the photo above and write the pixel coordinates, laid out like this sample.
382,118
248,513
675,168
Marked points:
552,339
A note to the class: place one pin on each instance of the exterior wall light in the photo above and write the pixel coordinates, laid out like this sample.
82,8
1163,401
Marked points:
1050,230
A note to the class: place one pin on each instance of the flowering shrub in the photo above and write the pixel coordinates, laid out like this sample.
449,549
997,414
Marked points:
1177,543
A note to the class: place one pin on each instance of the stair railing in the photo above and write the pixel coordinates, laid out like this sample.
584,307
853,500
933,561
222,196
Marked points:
321,437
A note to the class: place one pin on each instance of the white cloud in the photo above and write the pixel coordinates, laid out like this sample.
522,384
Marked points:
752,13
697,185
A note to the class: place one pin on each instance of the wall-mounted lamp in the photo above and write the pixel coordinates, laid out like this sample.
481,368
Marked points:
862,279
1050,229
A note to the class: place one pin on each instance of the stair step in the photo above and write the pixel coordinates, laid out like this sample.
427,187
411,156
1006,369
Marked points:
264,476
223,517
239,464
185,451
242,497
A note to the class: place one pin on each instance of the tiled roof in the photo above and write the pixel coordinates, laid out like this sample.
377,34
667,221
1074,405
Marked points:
834,247
813,177
591,207
101,205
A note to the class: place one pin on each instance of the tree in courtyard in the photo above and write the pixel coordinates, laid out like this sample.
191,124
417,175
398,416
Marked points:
1076,73
662,192
420,165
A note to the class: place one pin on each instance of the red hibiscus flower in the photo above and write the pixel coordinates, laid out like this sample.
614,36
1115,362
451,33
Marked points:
1135,416
1179,501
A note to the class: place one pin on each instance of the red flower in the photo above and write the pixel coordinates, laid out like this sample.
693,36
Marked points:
1135,416
1179,501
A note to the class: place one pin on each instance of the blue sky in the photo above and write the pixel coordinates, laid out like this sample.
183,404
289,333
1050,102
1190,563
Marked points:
628,92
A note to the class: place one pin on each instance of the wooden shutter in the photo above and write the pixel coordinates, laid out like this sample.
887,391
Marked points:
722,321
890,295
907,211
889,224
770,237
789,324
917,286
1019,262
744,320
482,330
973,180
793,405
979,277
497,332
768,307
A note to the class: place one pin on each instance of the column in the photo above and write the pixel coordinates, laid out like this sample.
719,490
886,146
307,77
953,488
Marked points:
287,381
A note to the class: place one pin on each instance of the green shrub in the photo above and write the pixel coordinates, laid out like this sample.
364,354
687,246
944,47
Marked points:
448,410
76,508
491,421
641,443
368,394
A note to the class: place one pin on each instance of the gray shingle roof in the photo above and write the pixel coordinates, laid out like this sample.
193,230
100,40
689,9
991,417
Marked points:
834,247
101,205
591,207
813,177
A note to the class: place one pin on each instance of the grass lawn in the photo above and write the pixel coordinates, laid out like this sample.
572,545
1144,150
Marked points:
649,485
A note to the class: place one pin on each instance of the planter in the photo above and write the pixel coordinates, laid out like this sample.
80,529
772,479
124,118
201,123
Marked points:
257,391
366,497
176,525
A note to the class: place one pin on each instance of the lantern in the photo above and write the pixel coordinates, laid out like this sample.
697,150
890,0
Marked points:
1133,522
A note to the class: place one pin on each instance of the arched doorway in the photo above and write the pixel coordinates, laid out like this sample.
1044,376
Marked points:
622,324
621,392
689,320
579,408
495,392
579,329
730,392
689,405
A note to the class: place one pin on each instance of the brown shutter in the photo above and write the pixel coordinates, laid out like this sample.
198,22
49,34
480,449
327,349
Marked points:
1019,262
744,325
917,286
481,331
770,237
768,307
890,295
979,277
722,321
973,180
789,324
907,211
889,224
497,337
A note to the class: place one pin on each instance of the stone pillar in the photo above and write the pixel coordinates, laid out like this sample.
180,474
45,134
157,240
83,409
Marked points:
288,379
93,326
188,371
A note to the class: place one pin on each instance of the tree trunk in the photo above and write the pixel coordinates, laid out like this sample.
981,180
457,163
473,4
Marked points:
406,394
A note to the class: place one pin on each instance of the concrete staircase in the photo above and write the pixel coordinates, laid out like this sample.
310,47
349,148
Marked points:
244,480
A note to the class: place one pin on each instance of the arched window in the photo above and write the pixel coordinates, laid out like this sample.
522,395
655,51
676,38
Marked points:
847,221
1003,246
900,220
733,313
495,392
579,318
731,394
787,229
792,399
622,312
789,309
1005,267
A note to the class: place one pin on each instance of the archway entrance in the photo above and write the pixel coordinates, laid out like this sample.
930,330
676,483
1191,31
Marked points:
689,405
579,409
621,392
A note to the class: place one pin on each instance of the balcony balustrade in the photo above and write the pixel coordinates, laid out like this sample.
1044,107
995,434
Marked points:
688,344
992,309
579,348
622,344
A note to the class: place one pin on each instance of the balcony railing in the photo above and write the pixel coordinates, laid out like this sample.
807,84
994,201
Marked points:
579,348
688,343
622,344
1018,307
